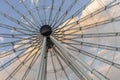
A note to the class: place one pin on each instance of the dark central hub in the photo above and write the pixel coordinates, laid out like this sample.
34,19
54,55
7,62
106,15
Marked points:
46,30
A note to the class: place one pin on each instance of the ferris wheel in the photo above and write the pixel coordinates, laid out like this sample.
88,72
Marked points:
59,39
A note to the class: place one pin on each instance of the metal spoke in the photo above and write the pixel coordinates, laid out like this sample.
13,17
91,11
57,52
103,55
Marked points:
43,58
92,14
31,64
97,24
28,57
45,19
22,54
31,14
76,42
96,57
22,15
14,50
60,63
22,25
72,67
11,51
59,40
51,11
93,35
68,57
58,12
39,16
14,36
16,42
76,13
62,17
53,65
20,30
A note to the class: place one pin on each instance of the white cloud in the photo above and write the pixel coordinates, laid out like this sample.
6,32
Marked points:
112,27
1,39
35,2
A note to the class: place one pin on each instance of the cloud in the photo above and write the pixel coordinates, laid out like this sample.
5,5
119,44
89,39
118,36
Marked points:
34,2
12,67
1,39
112,41
97,4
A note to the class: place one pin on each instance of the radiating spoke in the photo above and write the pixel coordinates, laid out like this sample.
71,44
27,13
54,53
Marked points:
53,65
28,57
42,65
31,14
31,64
65,55
57,13
12,51
91,15
51,12
21,54
56,54
22,15
75,42
96,57
15,49
59,40
97,24
22,25
62,17
72,67
76,13
92,35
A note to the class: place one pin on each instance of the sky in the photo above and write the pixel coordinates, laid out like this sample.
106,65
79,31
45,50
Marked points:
112,27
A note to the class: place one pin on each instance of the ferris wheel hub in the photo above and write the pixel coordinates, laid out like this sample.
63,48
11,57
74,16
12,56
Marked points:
46,30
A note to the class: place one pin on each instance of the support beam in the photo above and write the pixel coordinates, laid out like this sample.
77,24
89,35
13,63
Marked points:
92,45
41,75
93,35
64,54
75,68
60,63
73,48
73,59
54,68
